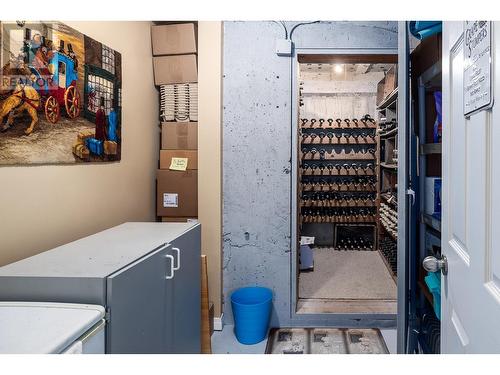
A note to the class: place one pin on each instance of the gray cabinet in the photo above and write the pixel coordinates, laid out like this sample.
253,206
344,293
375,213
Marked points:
186,296
147,275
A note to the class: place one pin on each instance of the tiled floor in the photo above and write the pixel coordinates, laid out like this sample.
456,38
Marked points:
224,342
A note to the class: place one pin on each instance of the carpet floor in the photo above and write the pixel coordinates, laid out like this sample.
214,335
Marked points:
347,275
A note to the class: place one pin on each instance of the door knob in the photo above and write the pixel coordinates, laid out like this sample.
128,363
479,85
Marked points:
433,264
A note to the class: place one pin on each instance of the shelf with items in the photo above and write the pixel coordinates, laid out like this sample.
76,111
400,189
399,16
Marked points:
389,101
425,81
349,219
357,236
430,148
389,219
337,171
337,187
388,250
337,141
389,151
312,169
311,202
312,153
388,180
333,203
390,199
389,232
387,132
431,221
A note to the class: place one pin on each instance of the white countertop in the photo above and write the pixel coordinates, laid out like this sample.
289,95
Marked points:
100,254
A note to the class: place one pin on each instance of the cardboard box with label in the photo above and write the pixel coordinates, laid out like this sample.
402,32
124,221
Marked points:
176,39
168,158
175,69
179,135
177,193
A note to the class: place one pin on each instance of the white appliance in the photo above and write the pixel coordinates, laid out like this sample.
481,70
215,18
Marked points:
47,327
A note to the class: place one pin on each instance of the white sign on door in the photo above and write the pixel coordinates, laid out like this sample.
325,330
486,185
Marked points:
477,66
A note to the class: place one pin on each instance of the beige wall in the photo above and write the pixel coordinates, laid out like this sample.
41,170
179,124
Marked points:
209,153
45,206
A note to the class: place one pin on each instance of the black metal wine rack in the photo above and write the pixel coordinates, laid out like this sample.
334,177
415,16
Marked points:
338,174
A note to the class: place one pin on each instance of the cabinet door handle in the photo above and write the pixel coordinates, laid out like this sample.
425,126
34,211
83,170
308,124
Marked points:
178,258
171,276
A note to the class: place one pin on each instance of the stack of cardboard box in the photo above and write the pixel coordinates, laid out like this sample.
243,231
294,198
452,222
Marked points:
175,62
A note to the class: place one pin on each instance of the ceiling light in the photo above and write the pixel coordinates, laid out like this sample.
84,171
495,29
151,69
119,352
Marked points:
339,68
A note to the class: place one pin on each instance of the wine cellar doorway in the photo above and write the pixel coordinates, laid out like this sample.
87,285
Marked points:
346,201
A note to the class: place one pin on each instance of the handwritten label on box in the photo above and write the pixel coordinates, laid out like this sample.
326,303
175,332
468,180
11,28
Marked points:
178,164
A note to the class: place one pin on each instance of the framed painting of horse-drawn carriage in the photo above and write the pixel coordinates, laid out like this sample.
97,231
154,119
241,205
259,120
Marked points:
60,96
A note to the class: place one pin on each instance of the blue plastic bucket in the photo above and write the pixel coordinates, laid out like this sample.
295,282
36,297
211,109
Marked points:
251,311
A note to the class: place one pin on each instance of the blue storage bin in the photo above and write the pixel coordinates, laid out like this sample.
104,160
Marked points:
425,29
251,311
433,281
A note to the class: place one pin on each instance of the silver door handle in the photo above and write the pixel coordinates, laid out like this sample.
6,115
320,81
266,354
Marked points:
178,258
171,276
433,264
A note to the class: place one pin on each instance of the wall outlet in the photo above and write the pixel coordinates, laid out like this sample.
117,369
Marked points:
283,47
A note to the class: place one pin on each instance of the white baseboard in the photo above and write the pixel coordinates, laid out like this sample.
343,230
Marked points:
218,323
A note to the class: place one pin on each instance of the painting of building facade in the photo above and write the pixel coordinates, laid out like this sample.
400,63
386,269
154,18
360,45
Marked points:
60,96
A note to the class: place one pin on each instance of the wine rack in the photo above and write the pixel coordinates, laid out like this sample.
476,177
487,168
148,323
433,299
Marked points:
338,177
389,249
350,237
387,132
389,219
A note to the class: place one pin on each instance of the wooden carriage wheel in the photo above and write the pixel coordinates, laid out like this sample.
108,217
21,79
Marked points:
52,110
72,101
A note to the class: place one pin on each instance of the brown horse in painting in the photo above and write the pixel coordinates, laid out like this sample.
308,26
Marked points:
13,102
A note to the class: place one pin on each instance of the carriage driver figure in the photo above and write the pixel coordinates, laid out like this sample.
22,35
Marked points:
100,122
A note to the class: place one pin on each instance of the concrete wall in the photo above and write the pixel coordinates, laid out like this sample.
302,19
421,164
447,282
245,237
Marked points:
45,206
210,153
257,148
341,98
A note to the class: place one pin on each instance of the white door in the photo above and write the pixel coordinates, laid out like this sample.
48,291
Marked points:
470,318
